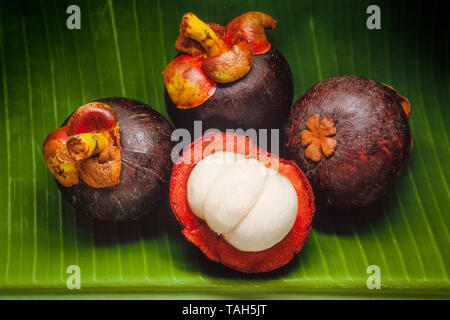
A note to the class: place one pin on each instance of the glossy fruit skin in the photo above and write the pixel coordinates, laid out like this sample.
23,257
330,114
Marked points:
373,140
260,100
146,166
215,247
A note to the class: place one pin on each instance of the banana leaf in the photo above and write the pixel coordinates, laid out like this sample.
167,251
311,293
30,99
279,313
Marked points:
47,70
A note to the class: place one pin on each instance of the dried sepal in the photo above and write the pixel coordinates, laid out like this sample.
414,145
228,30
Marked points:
222,63
189,46
58,159
249,27
186,83
76,151
404,101
103,170
230,65
218,29
91,117
226,53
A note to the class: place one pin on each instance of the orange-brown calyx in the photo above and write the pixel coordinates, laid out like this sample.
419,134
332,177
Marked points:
91,117
223,63
87,148
406,106
249,28
102,168
230,65
317,138
186,83
220,61
189,46
58,159
404,102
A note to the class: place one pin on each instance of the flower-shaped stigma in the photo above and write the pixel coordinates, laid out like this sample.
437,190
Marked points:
317,137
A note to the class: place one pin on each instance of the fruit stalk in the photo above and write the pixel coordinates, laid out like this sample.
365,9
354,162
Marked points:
85,145
195,29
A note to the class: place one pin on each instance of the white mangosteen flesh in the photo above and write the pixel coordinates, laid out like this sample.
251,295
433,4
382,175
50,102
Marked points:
251,206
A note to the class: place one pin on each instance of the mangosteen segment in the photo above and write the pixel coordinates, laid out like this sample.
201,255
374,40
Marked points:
251,206
88,146
231,195
226,54
240,205
203,175
271,218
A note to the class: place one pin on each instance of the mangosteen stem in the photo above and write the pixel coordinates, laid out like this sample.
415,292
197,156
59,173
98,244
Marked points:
84,145
195,29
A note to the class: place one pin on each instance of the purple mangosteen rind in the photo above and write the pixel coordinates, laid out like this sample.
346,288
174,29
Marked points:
372,135
145,167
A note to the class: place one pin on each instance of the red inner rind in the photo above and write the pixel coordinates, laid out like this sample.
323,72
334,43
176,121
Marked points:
214,246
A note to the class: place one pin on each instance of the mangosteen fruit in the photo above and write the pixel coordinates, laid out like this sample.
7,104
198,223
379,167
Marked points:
351,137
242,206
228,77
111,158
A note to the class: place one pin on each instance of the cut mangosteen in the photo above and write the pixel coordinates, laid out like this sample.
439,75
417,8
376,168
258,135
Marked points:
242,206
351,137
229,77
111,158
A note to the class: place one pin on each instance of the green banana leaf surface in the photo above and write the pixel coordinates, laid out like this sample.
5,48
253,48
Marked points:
123,46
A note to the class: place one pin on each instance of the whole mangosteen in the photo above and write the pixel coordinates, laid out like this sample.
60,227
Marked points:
242,206
229,77
111,158
350,135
